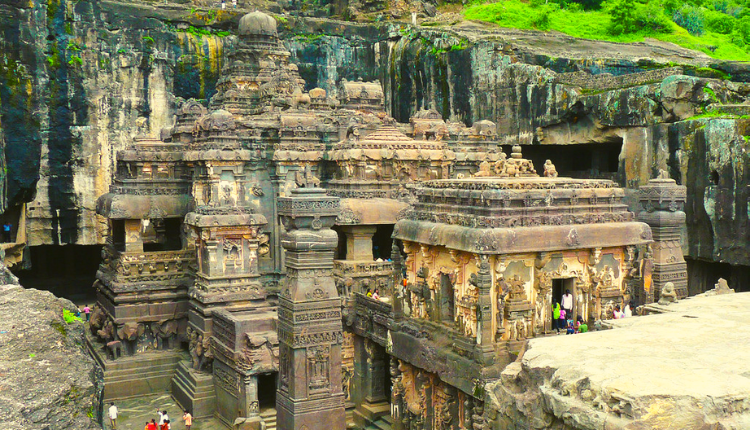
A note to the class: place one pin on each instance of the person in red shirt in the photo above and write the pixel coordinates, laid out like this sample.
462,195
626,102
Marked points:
152,425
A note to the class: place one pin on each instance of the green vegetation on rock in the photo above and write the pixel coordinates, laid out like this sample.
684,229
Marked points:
720,28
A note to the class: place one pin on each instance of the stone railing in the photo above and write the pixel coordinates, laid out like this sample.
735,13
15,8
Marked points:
357,276
606,81
372,318
157,269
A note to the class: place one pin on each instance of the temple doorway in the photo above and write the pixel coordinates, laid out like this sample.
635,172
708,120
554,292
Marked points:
559,285
447,299
267,390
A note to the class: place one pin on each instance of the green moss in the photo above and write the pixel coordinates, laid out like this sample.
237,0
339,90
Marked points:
597,25
72,46
75,61
711,94
60,327
148,39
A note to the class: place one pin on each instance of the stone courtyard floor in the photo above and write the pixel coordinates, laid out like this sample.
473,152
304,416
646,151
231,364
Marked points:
135,412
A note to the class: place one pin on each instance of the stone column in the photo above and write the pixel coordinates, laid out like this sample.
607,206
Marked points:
662,201
359,242
374,389
397,283
133,238
310,394
485,337
251,405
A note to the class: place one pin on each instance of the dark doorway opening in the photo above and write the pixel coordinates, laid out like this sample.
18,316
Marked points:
163,235
703,275
583,161
66,271
267,390
387,379
381,242
340,252
559,286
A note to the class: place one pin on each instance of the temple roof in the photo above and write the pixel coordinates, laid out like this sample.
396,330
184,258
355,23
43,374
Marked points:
257,23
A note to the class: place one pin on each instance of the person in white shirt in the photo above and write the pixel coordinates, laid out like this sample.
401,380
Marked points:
162,416
567,304
112,415
628,311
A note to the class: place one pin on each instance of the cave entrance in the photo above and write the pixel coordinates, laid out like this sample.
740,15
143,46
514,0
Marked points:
703,275
66,271
582,161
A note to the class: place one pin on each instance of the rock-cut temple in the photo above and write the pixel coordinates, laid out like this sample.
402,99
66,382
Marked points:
298,259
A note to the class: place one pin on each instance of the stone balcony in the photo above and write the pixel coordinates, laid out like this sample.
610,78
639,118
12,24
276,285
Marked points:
125,271
358,276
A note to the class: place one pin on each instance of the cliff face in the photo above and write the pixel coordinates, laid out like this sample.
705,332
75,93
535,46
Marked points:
48,378
81,79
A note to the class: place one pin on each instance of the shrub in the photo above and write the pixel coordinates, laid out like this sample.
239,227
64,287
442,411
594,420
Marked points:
540,19
70,317
651,17
623,14
690,18
718,22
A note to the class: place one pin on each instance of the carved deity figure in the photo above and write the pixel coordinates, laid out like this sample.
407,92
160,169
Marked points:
668,294
549,170
484,170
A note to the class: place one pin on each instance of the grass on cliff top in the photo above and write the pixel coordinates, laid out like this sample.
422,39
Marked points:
594,25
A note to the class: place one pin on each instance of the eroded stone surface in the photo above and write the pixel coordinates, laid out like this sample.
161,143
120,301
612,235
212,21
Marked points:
47,380
682,369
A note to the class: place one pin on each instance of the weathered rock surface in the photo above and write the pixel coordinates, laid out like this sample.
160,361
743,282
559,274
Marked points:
47,380
682,369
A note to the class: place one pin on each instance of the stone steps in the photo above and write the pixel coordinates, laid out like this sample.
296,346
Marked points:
194,391
132,376
269,417
367,414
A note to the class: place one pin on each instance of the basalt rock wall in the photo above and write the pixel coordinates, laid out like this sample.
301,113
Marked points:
81,79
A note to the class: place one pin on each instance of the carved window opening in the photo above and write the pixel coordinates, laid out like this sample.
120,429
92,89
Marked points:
340,252
267,390
163,235
118,234
381,242
447,299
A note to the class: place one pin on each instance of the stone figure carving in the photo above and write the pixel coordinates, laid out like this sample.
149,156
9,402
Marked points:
164,332
668,294
549,169
200,351
663,174
721,287
306,179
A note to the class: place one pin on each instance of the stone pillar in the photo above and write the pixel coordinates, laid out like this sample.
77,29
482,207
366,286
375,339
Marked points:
662,202
398,286
359,242
133,238
485,337
375,372
251,404
310,394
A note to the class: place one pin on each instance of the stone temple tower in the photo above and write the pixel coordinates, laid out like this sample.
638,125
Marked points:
310,393
663,202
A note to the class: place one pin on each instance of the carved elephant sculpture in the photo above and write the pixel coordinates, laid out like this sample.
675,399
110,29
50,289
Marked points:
165,333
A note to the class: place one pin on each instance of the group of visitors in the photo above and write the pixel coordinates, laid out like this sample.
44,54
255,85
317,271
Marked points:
562,315
373,294
563,320
161,423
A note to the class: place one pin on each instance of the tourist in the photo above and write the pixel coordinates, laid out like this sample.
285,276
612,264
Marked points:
152,425
162,417
567,303
234,4
556,316
188,419
570,329
617,314
87,311
561,323
223,4
369,292
628,311
583,328
148,426
113,415
166,425
376,294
